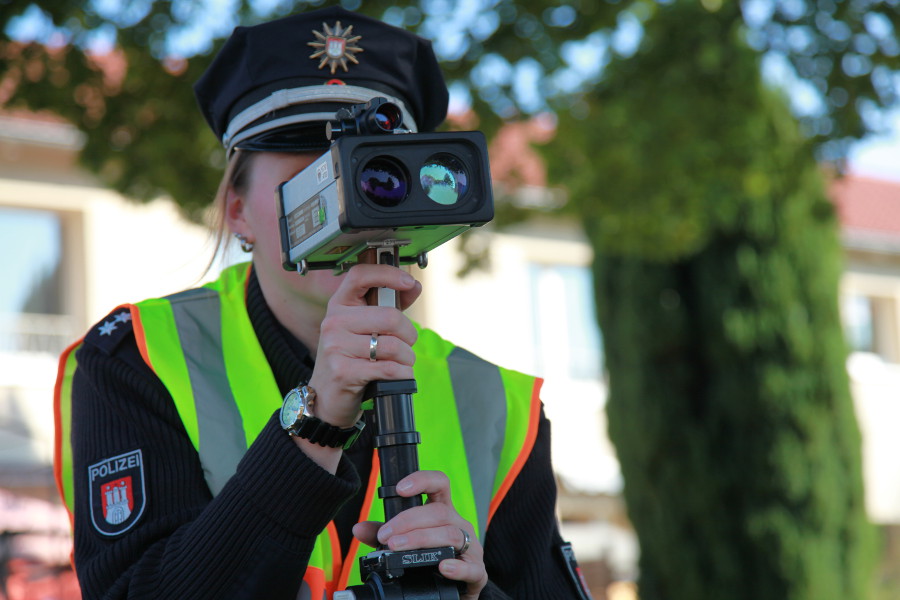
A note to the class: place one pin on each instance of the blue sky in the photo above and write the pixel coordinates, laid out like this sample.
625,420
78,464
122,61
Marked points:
879,155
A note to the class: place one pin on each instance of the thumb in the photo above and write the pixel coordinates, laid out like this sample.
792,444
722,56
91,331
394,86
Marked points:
367,532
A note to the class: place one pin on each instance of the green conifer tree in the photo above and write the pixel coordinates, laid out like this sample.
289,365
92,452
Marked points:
716,271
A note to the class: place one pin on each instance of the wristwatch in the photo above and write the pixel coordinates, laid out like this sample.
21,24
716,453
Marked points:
298,421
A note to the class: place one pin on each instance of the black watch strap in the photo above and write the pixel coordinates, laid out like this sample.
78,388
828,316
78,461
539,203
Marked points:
297,419
319,432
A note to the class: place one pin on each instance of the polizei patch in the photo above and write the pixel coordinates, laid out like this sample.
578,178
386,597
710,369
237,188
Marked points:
117,492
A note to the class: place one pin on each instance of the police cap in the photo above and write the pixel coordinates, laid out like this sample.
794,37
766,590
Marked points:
273,86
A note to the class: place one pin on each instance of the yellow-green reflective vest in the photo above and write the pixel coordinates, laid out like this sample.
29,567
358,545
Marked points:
202,346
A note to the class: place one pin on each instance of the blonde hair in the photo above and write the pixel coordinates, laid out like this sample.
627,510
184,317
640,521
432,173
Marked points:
235,177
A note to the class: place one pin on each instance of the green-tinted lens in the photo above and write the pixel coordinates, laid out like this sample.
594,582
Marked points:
443,179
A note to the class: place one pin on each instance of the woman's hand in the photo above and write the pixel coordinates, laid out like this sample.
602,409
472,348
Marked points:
436,524
343,363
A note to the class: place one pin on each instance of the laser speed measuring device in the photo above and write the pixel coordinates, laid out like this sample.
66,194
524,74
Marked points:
378,184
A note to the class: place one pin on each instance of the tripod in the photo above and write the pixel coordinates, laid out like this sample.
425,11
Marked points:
404,574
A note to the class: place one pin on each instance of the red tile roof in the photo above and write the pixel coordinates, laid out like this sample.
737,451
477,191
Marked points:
866,204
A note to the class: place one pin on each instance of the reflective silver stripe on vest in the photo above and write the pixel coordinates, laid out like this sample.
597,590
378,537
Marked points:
221,431
473,380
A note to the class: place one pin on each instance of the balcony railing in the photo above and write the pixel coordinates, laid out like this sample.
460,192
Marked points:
33,333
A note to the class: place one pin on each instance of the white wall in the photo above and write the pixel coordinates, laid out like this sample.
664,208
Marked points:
116,251
492,314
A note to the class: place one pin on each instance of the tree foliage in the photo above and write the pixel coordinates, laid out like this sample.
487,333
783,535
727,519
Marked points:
716,270
145,139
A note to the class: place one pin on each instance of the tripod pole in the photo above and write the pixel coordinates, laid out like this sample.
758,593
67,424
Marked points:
395,428
408,574
395,438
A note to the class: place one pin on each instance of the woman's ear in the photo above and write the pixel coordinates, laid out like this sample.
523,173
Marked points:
234,212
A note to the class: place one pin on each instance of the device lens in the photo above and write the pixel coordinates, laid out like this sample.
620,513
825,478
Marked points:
384,182
444,179
388,117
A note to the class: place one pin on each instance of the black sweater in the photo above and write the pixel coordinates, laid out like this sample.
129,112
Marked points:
253,539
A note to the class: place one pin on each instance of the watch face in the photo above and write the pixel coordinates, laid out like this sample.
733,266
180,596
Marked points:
293,406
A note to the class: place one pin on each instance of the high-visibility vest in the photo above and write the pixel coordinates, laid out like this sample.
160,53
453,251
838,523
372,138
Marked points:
202,346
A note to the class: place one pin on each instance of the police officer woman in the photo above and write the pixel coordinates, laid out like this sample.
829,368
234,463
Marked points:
181,479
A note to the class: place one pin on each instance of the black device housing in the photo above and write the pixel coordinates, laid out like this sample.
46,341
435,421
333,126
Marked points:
326,218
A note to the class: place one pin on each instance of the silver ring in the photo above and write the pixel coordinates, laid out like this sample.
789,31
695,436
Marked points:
465,545
373,347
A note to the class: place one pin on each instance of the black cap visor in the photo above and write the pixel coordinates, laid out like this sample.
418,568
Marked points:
302,137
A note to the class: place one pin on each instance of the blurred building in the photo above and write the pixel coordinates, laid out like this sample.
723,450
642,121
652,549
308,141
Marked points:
74,250
870,301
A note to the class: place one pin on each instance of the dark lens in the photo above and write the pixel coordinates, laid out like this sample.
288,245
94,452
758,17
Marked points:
384,182
443,179
388,117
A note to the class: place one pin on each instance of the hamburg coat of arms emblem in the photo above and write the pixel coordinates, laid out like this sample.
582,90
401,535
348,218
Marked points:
335,47
117,492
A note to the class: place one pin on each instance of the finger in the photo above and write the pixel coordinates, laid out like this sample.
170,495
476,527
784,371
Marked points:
361,278
367,532
350,336
428,524
465,542
384,370
472,573
386,347
365,320
407,297
434,484
349,356
381,320
445,536
357,371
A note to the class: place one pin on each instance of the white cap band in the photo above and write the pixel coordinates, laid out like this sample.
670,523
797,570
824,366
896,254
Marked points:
348,94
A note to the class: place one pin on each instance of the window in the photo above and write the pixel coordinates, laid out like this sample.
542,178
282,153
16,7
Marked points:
567,336
869,325
858,323
33,312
